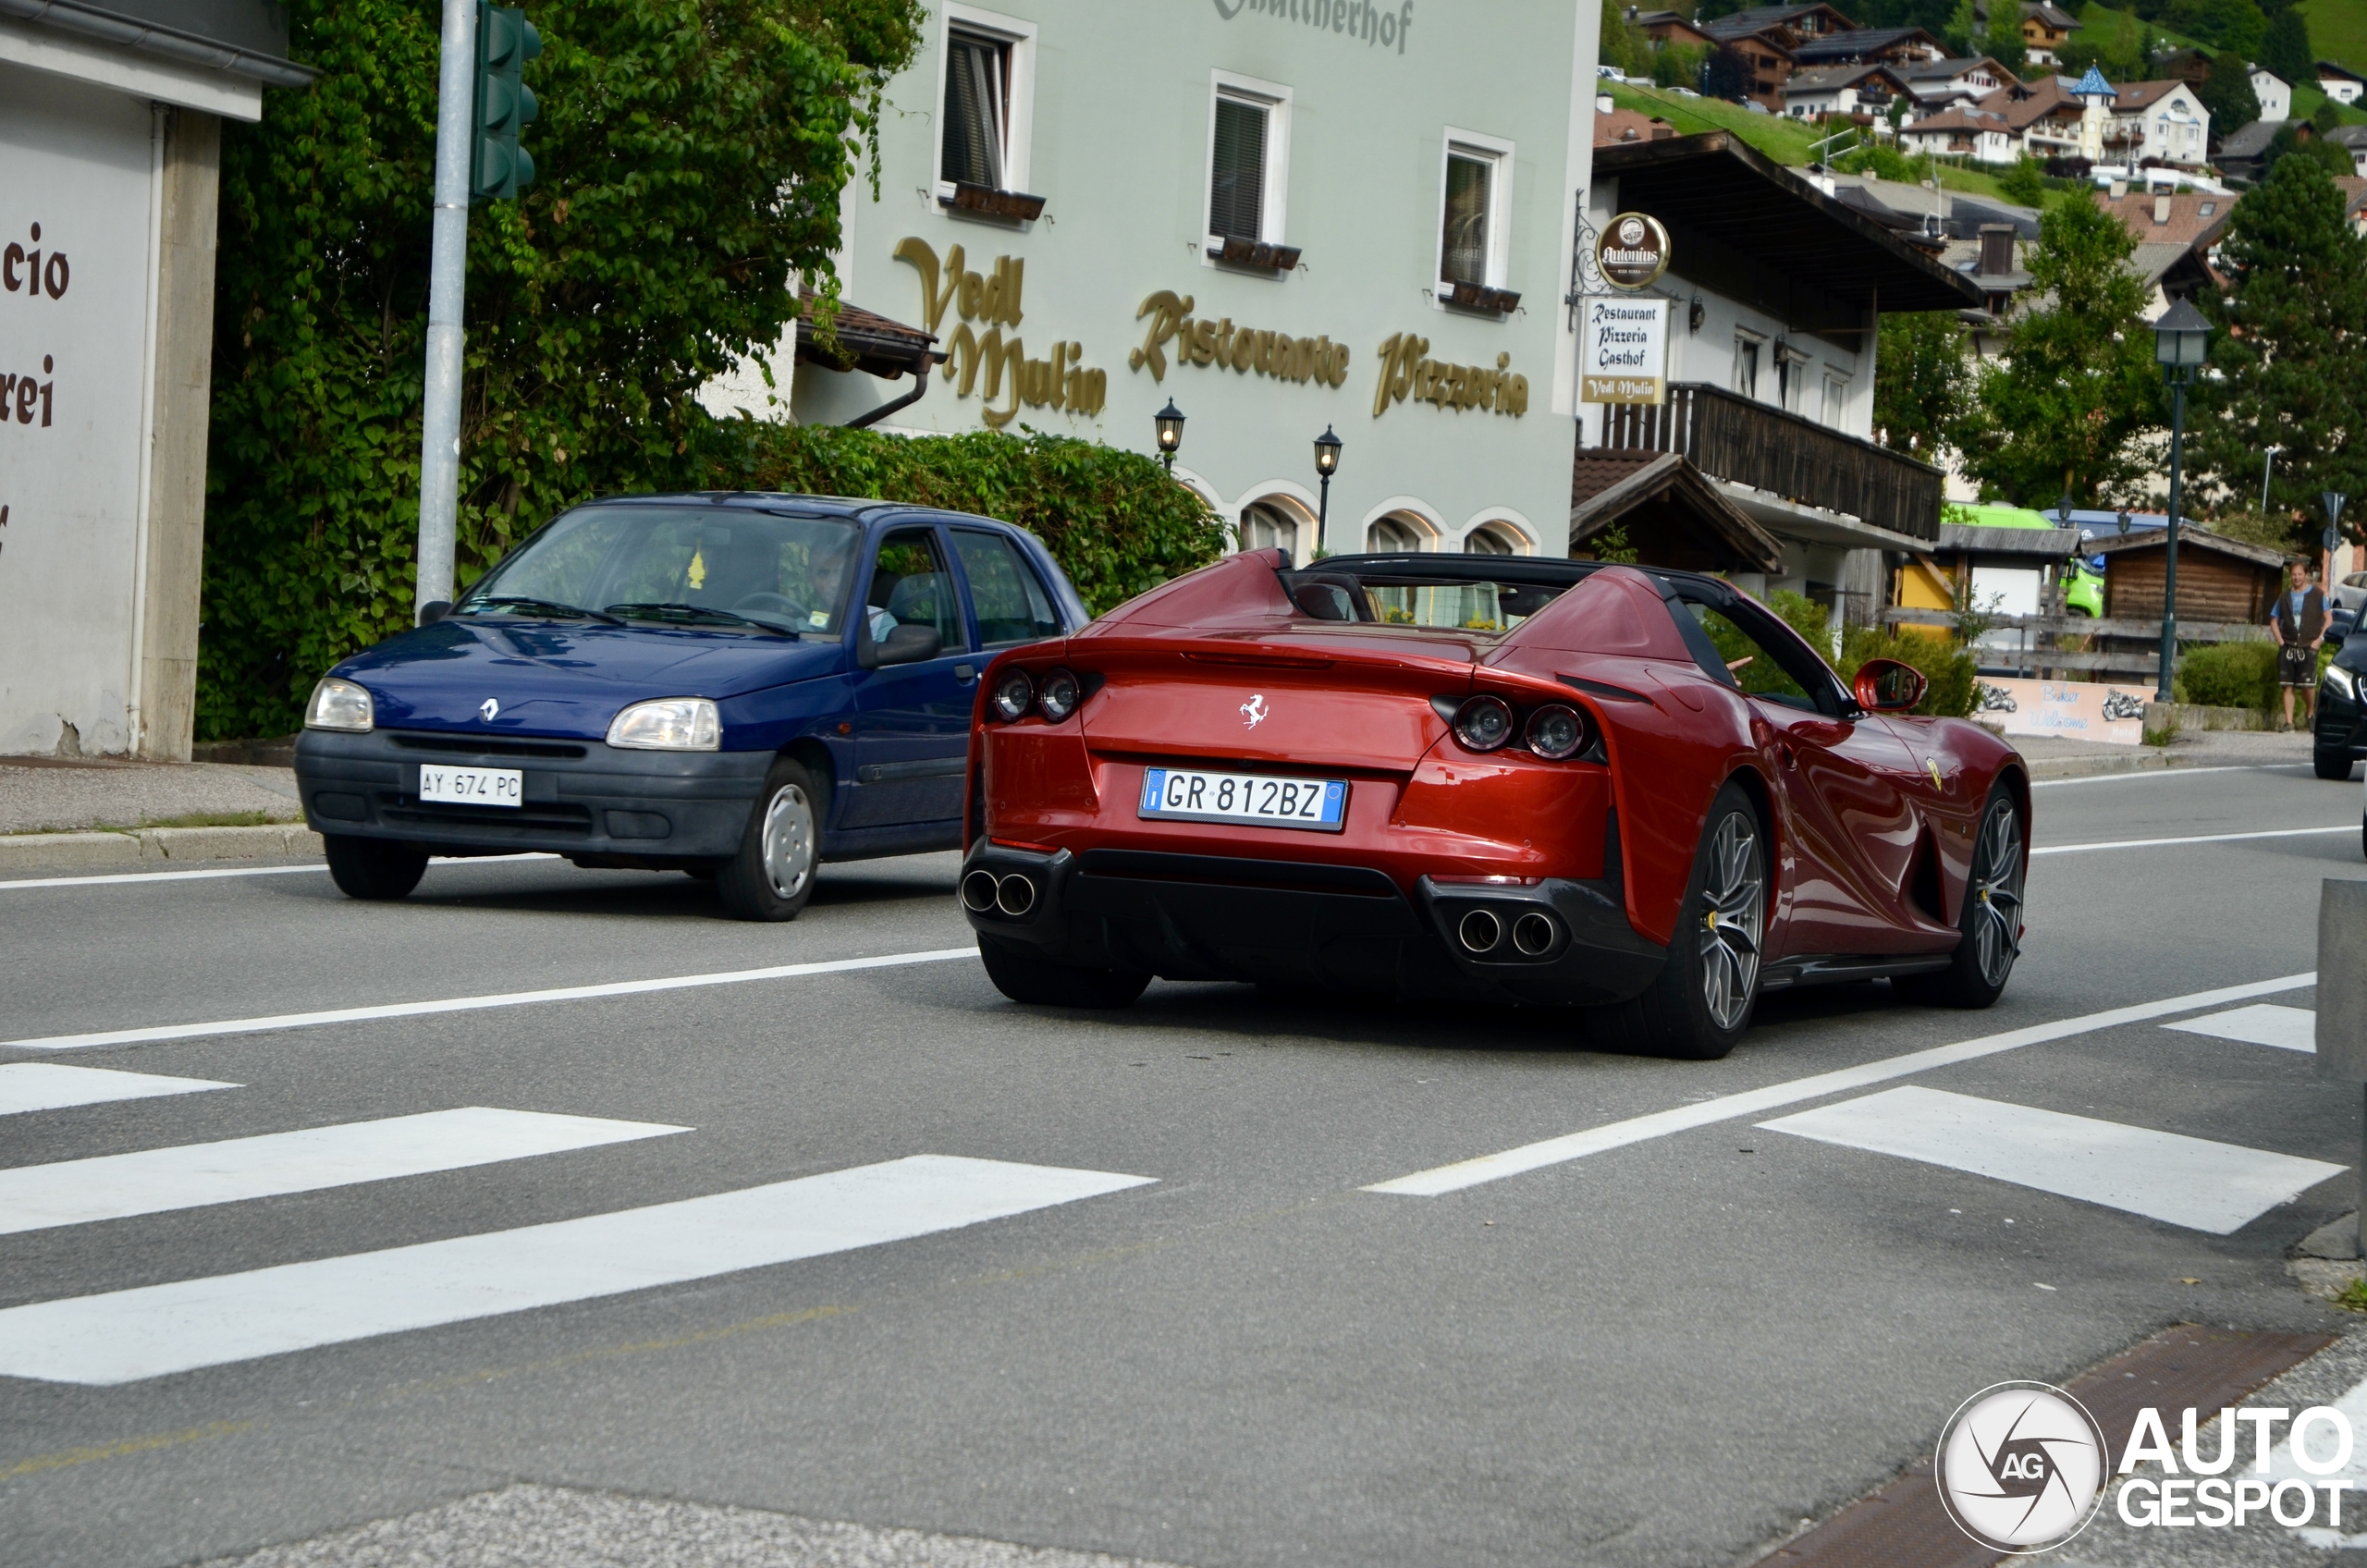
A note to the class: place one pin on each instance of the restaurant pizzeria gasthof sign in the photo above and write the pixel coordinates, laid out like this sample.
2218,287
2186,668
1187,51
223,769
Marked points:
1282,216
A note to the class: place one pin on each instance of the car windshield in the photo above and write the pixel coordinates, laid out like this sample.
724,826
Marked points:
1400,598
727,568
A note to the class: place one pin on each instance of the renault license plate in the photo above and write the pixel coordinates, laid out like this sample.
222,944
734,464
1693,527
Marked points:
473,785
1185,794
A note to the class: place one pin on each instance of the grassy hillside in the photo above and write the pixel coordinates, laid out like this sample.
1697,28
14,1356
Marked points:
2338,31
1786,140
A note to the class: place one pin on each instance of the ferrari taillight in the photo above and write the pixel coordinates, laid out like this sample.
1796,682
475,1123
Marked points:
1015,693
1556,731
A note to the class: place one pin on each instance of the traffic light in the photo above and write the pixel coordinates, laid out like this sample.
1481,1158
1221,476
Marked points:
498,167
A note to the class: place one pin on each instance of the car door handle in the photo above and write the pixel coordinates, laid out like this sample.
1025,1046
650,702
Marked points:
964,672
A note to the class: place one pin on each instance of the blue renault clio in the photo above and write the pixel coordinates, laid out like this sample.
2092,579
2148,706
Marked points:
736,685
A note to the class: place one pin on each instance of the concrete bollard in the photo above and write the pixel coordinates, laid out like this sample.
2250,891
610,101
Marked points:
2342,1003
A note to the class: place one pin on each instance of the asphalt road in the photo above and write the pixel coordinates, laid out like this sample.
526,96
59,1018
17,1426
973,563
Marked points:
1670,1350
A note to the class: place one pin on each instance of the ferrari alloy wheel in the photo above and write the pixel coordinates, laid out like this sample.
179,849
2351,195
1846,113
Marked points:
1991,917
1700,1004
1026,975
1733,916
772,875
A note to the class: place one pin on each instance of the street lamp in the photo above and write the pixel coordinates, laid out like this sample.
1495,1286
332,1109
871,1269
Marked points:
2332,500
1327,461
1169,423
2181,342
2267,471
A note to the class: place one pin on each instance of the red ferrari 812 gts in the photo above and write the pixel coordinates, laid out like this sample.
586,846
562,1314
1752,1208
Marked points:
1632,792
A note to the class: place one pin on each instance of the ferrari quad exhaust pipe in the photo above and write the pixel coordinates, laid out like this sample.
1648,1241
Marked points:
978,891
1533,934
1016,895
1479,931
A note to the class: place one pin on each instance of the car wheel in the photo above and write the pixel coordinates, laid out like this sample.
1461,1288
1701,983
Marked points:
1700,1004
377,869
1992,919
772,875
1026,976
2332,765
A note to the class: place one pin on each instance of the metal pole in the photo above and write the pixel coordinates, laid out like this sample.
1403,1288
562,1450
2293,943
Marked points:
440,444
2170,553
1324,516
2267,471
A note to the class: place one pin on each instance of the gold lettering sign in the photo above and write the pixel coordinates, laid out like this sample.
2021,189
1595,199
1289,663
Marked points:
990,362
1278,354
1406,372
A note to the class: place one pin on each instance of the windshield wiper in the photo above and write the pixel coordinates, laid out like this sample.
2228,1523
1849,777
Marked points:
540,607
705,615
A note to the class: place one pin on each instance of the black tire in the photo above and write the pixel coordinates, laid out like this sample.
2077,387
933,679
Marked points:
1991,917
1027,976
771,876
2334,765
1699,1005
376,869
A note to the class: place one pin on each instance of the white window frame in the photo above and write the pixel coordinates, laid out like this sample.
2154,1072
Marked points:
1499,151
1273,205
1019,131
1791,370
1835,411
1758,342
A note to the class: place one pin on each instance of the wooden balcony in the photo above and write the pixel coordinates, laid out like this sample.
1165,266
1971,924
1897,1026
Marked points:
1736,438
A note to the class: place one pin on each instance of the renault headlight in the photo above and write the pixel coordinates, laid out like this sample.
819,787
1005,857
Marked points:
670,724
2342,683
339,704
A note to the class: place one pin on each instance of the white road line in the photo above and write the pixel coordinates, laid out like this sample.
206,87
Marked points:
126,1335
2198,839
473,1004
2164,772
314,869
2195,1182
45,1085
80,1192
2286,1028
1751,1102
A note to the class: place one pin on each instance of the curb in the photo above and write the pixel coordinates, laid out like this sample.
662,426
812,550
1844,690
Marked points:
272,841
2146,759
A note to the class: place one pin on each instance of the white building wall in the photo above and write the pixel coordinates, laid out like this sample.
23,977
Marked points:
1121,110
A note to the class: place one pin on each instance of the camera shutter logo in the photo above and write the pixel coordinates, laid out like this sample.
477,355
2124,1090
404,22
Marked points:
2021,1467
1633,251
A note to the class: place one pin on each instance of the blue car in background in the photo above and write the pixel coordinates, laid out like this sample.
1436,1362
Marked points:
739,686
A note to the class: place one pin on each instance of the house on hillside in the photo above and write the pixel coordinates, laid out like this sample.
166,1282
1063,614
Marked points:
2158,122
1776,288
1938,85
2244,152
2041,119
1962,133
1892,45
1764,47
1617,125
1666,28
1865,91
2175,237
2339,83
2353,137
2273,92
2045,28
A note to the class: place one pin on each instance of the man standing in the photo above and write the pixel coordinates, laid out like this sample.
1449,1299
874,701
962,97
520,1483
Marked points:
2299,619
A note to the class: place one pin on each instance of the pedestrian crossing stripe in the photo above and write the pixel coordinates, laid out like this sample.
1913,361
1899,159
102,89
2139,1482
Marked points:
2286,1028
2194,1183
122,1336
42,1085
79,1191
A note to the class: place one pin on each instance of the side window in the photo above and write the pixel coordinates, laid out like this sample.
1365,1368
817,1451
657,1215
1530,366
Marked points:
1765,665
911,587
1004,589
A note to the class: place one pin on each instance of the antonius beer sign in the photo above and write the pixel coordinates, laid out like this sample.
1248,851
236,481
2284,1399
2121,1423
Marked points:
1633,251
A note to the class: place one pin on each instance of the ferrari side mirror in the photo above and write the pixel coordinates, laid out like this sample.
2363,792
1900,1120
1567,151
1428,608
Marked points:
1888,686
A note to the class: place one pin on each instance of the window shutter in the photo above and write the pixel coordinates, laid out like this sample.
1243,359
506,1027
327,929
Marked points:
1237,190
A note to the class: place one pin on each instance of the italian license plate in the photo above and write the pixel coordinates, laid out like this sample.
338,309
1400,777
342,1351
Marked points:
473,785
1183,794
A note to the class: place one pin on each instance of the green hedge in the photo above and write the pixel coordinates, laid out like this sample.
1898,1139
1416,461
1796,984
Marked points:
1115,522
1955,683
2230,675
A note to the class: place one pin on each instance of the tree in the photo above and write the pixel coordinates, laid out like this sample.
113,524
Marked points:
1729,74
2286,354
2227,95
2024,183
2064,409
2286,50
2312,147
1922,384
692,156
